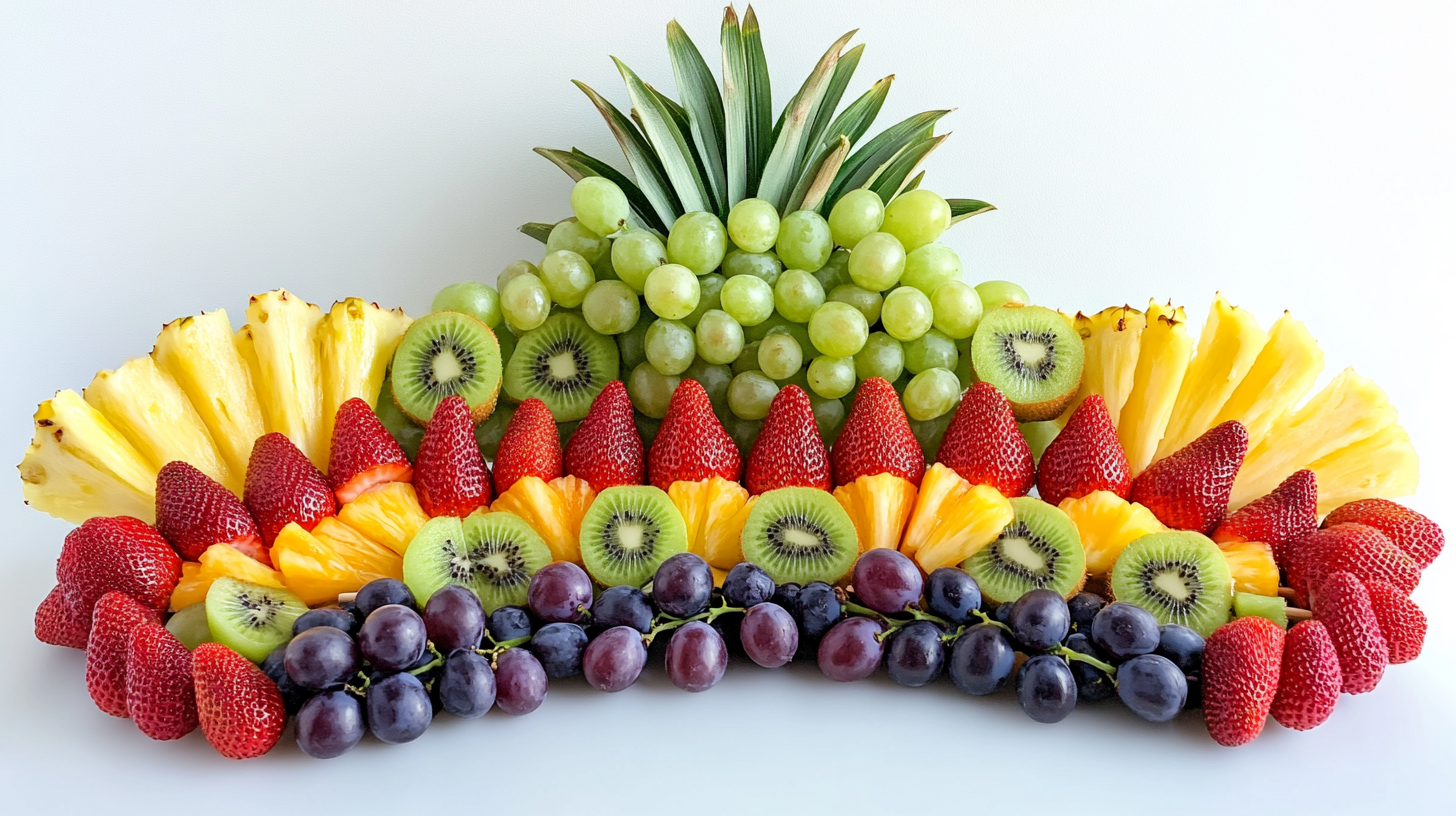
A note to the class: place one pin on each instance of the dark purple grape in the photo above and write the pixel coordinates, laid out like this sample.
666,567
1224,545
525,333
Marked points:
331,616
622,606
1153,687
850,651
1183,646
560,593
520,682
728,625
329,724
886,580
466,687
1046,689
559,647
392,637
1002,613
1093,684
1123,631
696,657
399,707
294,695
614,659
454,618
815,610
785,594
509,623
747,585
1040,620
1195,694
321,658
682,585
914,655
769,635
1084,606
981,659
382,592
952,594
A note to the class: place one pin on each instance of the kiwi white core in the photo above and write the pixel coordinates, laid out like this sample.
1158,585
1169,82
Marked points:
563,366
447,366
1172,585
1021,551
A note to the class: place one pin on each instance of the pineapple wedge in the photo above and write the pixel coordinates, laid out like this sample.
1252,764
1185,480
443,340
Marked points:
723,537
356,341
704,504
879,506
1107,523
198,352
553,509
953,519
284,331
1111,339
80,466
1251,564
1383,465
1227,348
1163,354
1282,374
389,514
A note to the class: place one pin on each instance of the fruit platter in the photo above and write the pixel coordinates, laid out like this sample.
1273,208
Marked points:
744,407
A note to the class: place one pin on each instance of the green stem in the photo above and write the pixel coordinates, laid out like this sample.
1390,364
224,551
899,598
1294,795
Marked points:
1072,654
666,623
439,659
988,619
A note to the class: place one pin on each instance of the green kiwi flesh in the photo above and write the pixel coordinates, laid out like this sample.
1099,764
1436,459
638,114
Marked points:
627,532
251,619
800,535
1272,607
493,555
564,364
443,354
1032,355
1179,576
1039,549
189,626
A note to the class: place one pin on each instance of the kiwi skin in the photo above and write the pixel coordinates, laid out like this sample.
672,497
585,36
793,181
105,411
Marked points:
812,506
1047,520
478,412
1054,406
1215,604
637,500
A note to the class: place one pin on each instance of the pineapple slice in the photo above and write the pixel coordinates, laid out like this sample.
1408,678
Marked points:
953,519
723,537
1383,465
1230,342
879,506
79,465
284,330
191,589
553,510
705,503
389,514
1111,339
1346,411
1107,523
152,412
1163,354
1252,565
356,342
215,562
1285,370
198,352
333,559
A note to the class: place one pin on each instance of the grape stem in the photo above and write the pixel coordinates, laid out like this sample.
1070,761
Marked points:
1073,654
438,659
666,623
495,652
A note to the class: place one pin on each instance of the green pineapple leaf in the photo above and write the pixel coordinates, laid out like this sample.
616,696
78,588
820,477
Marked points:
782,170
645,166
704,108
736,100
890,180
963,208
860,167
537,230
760,101
666,138
579,165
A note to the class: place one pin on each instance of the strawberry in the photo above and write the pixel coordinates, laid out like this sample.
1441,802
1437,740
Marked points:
194,512
788,452
1241,663
1286,514
530,446
1354,548
282,486
983,444
1342,604
606,451
1189,489
1085,457
54,623
238,707
120,553
876,438
159,692
691,444
116,614
1417,535
362,454
451,476
1402,623
1309,677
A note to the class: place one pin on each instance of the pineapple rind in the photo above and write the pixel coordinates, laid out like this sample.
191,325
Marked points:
1283,372
1227,348
284,331
1111,339
356,341
1383,465
1163,354
79,466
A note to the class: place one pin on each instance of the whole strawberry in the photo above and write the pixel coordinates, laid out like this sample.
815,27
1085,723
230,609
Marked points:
1417,535
1085,457
530,446
984,446
1402,623
238,707
115,615
1241,664
1287,514
788,452
450,474
120,553
1189,489
876,438
159,693
362,453
195,512
1354,548
691,444
1309,677
282,486
605,451
57,625
1342,604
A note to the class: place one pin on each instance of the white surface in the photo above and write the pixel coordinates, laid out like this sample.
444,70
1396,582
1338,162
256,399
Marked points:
162,159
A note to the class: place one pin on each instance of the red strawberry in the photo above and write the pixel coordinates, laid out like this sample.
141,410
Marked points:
691,444
1286,514
56,625
1241,663
788,452
1189,489
362,454
1309,678
1402,623
282,486
451,477
159,692
120,553
1417,535
1085,457
238,707
1354,548
115,616
194,512
530,446
1342,604
983,444
606,450
876,437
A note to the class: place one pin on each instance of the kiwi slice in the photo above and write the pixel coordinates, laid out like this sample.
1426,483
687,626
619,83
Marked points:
564,364
1039,549
1179,576
1032,355
493,555
800,535
443,354
627,532
1272,607
189,625
251,619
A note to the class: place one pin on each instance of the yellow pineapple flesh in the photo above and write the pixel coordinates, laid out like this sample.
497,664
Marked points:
215,562
331,560
1163,354
544,506
1283,372
1383,465
284,330
1107,523
1251,563
704,504
723,537
879,506
389,514
79,466
1230,342
356,340
953,519
1111,339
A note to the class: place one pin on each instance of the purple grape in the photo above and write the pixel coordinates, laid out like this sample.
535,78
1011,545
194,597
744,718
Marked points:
1093,684
392,637
467,684
382,592
560,593
952,594
1084,606
454,618
682,585
816,608
521,683
1183,646
559,647
1040,619
321,657
622,606
849,650
294,695
1046,689
981,660
915,654
747,585
887,580
696,657
333,616
785,594
614,660
769,635
1123,631
1153,687
329,724
399,707
509,623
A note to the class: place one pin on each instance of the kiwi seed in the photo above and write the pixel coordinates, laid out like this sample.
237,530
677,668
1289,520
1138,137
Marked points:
251,619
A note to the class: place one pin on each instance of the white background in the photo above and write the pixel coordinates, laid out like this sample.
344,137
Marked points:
163,159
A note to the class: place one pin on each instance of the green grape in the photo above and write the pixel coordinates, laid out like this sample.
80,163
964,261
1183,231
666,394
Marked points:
797,295
930,266
859,213
470,297
571,235
868,303
710,292
931,433
610,307
650,390
931,393
753,224
672,291
515,269
957,309
719,337
831,377
829,415
748,359
778,324
930,350
567,276
838,329
714,379
999,293
600,205
507,340
698,241
877,263
882,356
799,378
635,255
604,269
1039,435
670,347
525,303
633,343
835,271
963,370
764,265
747,299
907,314
749,395
804,241
779,356
916,218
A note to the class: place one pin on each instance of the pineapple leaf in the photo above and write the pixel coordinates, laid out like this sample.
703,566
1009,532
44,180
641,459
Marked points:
963,208
857,118
889,180
667,139
736,99
834,92
579,165
760,102
704,107
877,152
810,192
537,230
649,173
913,184
781,171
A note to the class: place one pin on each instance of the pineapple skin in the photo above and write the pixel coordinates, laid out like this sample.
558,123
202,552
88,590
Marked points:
1163,355
79,466
1230,342
1283,372
1111,339
284,330
356,341
1383,465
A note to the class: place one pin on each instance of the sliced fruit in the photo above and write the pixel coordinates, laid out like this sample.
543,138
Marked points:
251,619
194,512
79,466
318,568
1111,340
723,537
879,506
1181,577
628,531
548,508
953,519
492,554
362,454
1282,374
219,561
284,330
1269,607
703,504
1383,465
356,341
1038,549
446,354
800,535
1163,354
1032,355
1284,516
1251,564
390,514
1107,523
1230,343
564,364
